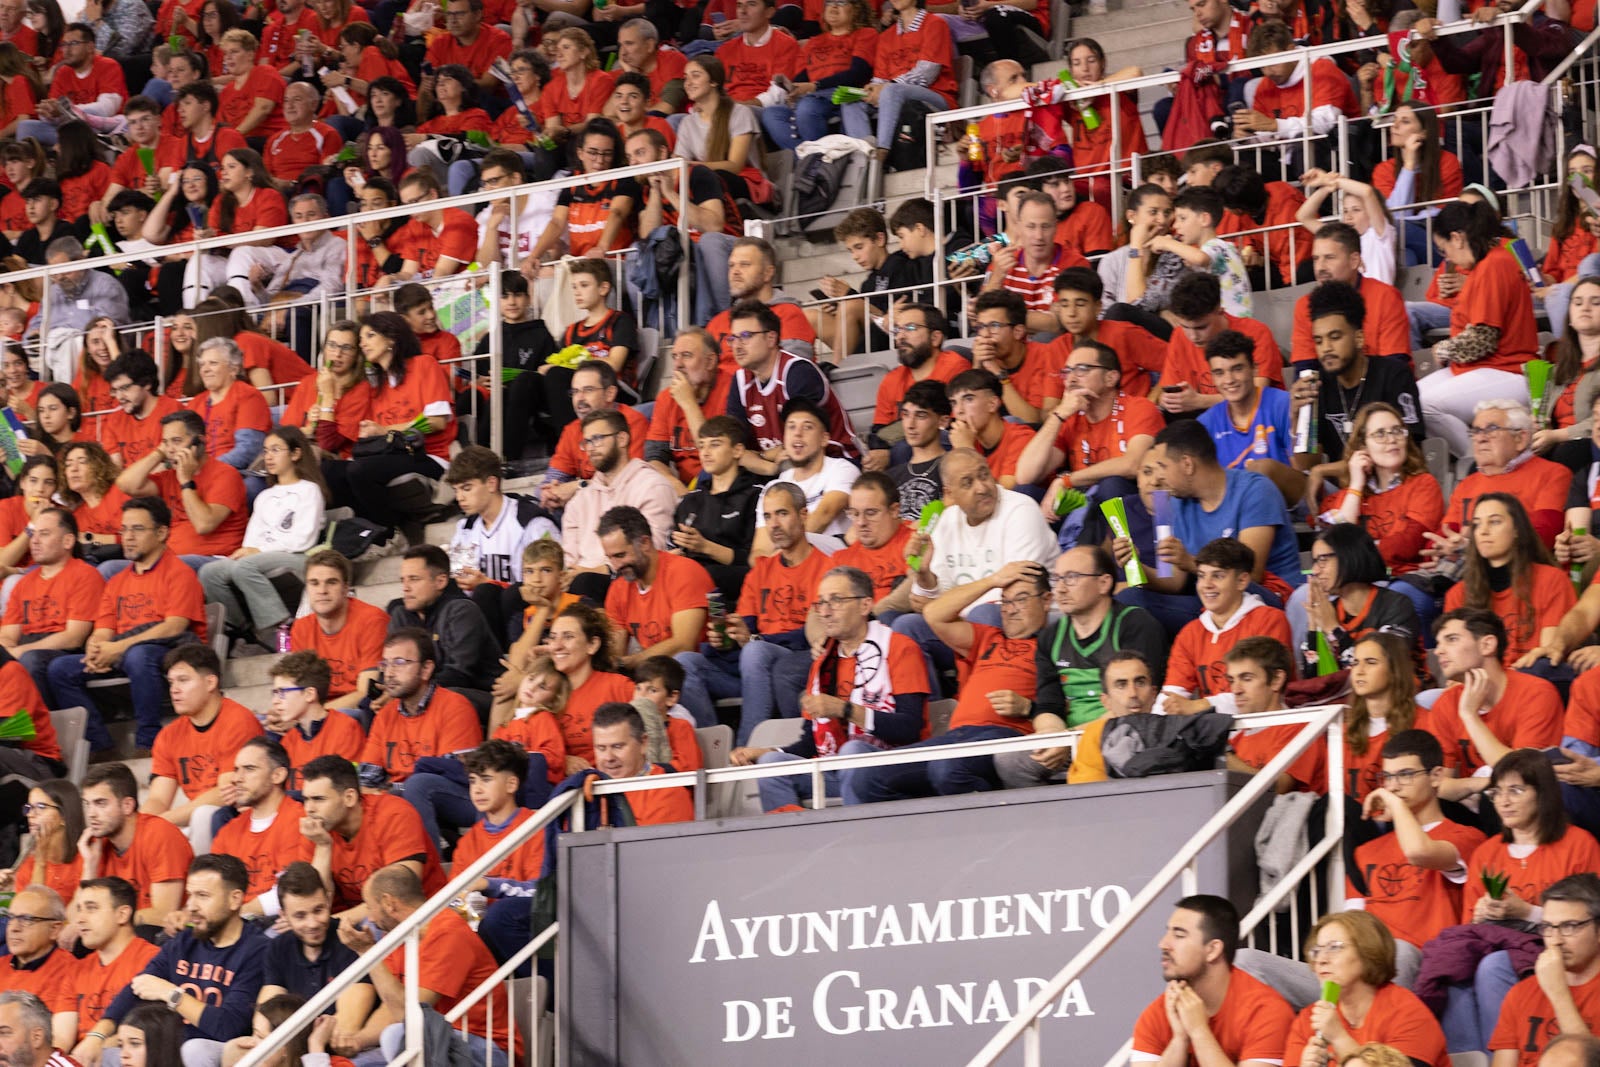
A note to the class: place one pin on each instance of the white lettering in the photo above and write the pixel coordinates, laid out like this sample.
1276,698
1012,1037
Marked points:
748,930
819,1006
1074,997
930,928
1033,910
880,1011
1097,907
1074,923
742,1019
995,1009
778,1024
996,917
824,928
957,999
711,929
889,932
775,929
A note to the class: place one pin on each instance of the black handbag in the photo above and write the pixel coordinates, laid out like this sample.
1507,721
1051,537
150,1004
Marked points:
393,443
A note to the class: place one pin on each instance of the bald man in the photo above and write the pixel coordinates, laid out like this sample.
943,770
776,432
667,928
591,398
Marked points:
1572,1050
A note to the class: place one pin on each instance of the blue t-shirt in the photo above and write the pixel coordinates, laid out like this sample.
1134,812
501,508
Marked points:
226,979
1269,423
1251,500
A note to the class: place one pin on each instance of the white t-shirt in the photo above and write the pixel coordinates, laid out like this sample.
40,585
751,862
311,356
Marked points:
536,212
963,553
836,475
286,518
1377,254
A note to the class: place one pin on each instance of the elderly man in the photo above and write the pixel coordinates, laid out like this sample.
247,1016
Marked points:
307,142
640,51
77,298
698,391
1502,433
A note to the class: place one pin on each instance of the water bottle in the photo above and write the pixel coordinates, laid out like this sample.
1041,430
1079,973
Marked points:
285,645
974,145
1091,117
1305,426
308,65
979,253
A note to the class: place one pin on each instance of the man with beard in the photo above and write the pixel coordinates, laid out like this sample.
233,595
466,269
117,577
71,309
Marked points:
210,971
104,909
759,652
924,415
920,331
311,956
1211,1012
659,598
464,647
618,480
25,1022
752,274
867,691
266,834
134,430
594,389
421,719
1336,315
344,632
698,391
1336,257
145,850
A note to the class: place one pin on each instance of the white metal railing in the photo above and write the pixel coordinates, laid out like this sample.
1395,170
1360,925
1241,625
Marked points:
1324,722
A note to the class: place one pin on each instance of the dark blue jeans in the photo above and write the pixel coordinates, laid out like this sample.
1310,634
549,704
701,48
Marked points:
141,665
947,777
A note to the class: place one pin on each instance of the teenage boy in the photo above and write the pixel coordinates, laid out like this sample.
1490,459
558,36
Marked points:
865,236
977,423
912,226
924,415
715,524
1197,675
1251,426
1199,310
495,770
1140,353
345,632
825,480
1493,710
920,332
1196,214
1411,877
1022,367
525,343
603,332
493,533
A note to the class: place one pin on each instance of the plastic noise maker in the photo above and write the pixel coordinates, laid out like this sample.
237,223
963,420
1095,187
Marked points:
1161,509
1330,992
1117,518
930,515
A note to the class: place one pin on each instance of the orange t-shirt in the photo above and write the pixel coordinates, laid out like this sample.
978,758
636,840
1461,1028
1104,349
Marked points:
452,961
574,111
159,853
1582,721
1086,228
391,831
1397,518
133,439
1550,597
266,853
242,407
425,386
1196,665
656,807
276,358
195,756
1496,294
97,983
1528,1022
539,733
62,877
681,584
1540,484
892,389
338,734
1086,443
1039,368
1386,330
570,458
104,517
1187,363
1140,353
1415,903
1575,853
1283,204
523,865
795,326
1252,1024
885,565
235,101
217,483
137,598
1397,1018
456,238
1002,458
995,662
577,721
51,980
1528,715
685,745
43,605
670,426
354,647
780,596
348,411
448,724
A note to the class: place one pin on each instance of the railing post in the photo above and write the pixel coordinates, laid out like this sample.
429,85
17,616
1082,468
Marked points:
687,271
1116,156
1334,828
497,359
350,285
1031,1052
1305,124
159,347
413,1001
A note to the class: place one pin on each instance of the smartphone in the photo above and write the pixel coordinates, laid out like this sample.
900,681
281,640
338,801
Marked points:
1557,757
818,294
1172,388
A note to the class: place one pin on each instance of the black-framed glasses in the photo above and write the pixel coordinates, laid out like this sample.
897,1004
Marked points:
743,337
1387,433
598,439
1399,777
901,329
830,604
1570,928
29,809
398,663
1018,602
32,920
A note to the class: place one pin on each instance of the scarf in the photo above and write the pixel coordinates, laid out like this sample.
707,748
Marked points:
870,690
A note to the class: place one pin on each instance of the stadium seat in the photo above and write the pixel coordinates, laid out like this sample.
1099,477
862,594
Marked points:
939,712
716,744
69,724
774,733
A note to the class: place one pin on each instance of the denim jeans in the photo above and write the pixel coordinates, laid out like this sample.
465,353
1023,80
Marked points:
796,788
948,777
141,665
439,801
892,99
1471,1011
113,567
764,675
481,1052
808,119
1424,317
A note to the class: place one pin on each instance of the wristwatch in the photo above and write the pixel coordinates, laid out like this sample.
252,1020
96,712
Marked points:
190,485
175,998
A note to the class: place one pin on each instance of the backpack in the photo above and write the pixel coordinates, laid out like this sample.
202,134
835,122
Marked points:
817,182
358,540
908,152
1138,746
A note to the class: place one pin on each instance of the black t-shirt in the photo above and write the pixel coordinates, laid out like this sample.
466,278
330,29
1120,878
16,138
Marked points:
727,519
286,965
616,330
1387,380
522,344
918,482
600,192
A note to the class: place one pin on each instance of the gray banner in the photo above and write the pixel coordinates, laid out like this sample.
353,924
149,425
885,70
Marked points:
897,934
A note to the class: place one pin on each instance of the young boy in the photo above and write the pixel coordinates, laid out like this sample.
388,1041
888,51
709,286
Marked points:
1196,213
543,596
865,236
924,416
715,525
658,683
1412,875
486,549
297,714
1077,310
494,780
912,226
605,333
525,343
415,304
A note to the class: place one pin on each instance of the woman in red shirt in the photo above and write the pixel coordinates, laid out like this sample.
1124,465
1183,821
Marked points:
21,390
579,642
20,97
55,814
841,55
334,16
252,100
57,422
23,161
452,111
91,482
1388,488
267,362
172,221
579,89
217,17
248,201
84,179
1573,244
101,345
1508,571
366,58
1575,355
1091,149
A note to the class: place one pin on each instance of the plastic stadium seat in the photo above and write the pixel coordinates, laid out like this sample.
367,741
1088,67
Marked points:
716,745
774,733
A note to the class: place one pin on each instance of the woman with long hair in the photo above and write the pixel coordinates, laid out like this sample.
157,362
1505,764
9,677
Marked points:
83,178
1342,600
1383,703
58,421
1574,385
249,200
217,17
579,643
1508,571
236,414
577,92
1492,332
329,405
841,55
46,20
285,521
90,479
19,99
719,134
172,221
1419,170
335,15
365,57
150,1035
101,344
183,356
308,1045
1356,952
450,112
1091,148
55,819
380,153
21,389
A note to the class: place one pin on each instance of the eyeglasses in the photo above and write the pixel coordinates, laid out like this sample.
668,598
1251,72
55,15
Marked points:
992,327
134,531
32,920
585,390
1390,433
1017,603
1514,792
743,336
905,327
29,809
338,346
495,179
597,153
397,664
1318,560
829,604
1570,928
1316,952
865,514
1077,370
1059,580
1399,777
274,450
1477,432
279,694
598,439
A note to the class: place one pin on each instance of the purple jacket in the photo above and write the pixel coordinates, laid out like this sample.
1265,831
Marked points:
1452,958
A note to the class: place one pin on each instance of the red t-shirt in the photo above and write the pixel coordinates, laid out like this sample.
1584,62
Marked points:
1387,330
1087,443
354,647
656,807
523,865
492,43
104,76
1252,1023
426,386
456,238
1451,182
1086,228
780,596
1002,458
1187,363
77,193
135,598
104,517
279,36
290,154
892,389
159,853
750,67
97,984
574,111
452,961
1540,484
1496,294
577,721
278,359
177,147
217,483
995,662
193,756
1397,1018
828,54
1283,203
391,831
50,979
235,101
1196,665
395,743
1528,715
265,209
670,426
1550,597
1415,903
681,584
1575,853
570,458
266,853
900,49
1139,352
473,118
539,732
43,605
1038,291
242,407
348,411
1528,1023
908,673
337,734
885,565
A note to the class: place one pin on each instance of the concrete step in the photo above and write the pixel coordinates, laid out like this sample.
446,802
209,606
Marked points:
254,697
379,594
